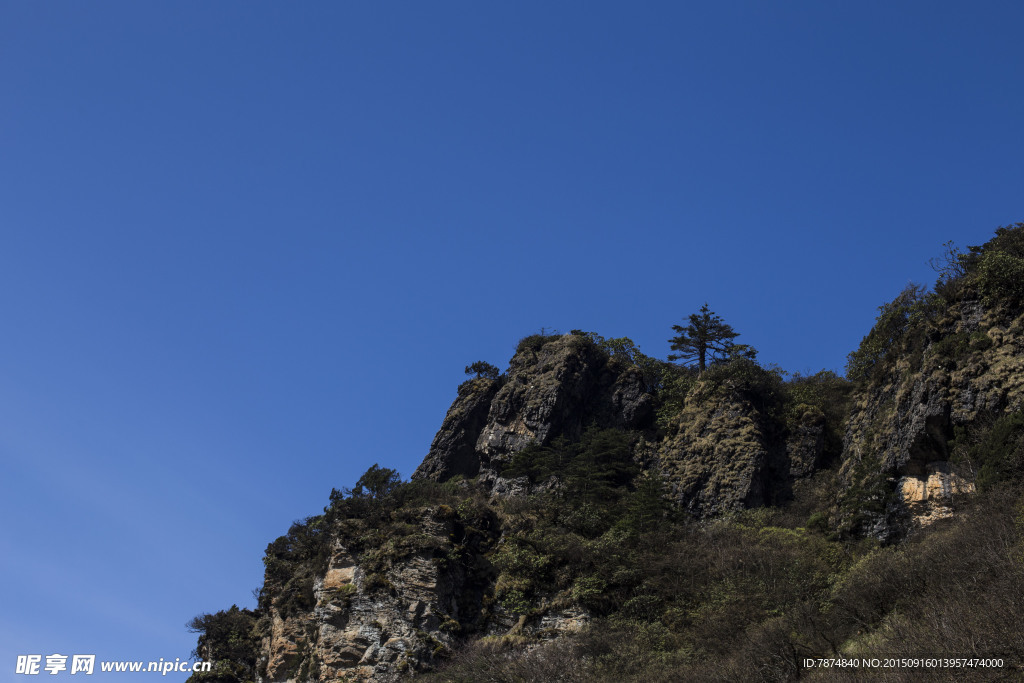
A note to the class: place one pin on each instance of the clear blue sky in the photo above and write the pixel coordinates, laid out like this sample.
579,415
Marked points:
248,248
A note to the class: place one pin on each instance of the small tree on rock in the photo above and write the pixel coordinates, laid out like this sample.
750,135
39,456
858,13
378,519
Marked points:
706,338
377,483
483,369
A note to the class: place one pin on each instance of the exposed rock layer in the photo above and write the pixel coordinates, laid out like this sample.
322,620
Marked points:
902,426
725,450
555,387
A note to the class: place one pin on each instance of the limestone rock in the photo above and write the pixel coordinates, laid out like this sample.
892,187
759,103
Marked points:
359,632
554,387
722,458
901,428
453,451
805,444
380,628
929,496
555,391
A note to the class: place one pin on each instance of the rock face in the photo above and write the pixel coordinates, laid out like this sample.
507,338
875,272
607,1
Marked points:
556,386
722,453
453,451
929,495
383,613
388,594
352,633
728,454
805,445
718,459
902,427
379,613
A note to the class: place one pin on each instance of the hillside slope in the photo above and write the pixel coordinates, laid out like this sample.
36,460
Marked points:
597,514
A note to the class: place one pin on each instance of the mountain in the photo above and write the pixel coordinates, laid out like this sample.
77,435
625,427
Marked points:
597,514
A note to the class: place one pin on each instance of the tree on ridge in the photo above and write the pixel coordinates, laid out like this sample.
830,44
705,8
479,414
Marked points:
707,337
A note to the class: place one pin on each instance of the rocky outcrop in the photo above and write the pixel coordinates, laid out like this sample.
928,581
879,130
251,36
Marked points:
378,613
453,451
929,495
555,386
805,443
727,455
722,452
385,583
385,609
902,427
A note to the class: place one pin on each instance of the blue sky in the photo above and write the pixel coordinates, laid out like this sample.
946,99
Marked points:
248,248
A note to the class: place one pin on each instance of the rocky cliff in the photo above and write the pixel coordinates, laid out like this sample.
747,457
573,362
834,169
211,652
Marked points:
726,449
555,386
726,454
580,487
902,435
376,612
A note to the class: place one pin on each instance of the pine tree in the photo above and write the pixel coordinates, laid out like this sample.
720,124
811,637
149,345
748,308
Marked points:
483,369
706,338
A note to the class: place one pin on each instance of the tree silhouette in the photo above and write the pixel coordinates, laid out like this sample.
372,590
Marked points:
706,338
483,369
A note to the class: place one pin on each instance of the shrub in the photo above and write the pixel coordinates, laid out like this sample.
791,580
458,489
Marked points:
228,638
1000,277
676,383
899,324
589,591
625,350
995,451
590,469
534,342
763,386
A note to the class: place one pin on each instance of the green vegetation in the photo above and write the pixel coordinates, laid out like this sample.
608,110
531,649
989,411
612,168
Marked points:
993,450
598,534
762,385
593,468
376,484
624,350
229,639
747,598
828,393
672,599
294,561
535,342
899,331
997,268
919,319
993,271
